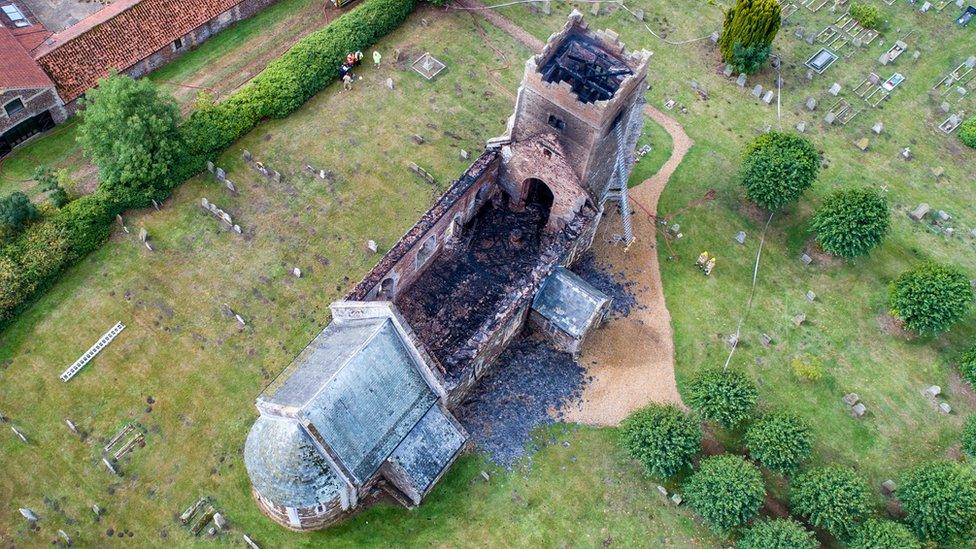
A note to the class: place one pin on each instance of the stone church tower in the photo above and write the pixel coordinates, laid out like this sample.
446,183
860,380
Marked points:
586,91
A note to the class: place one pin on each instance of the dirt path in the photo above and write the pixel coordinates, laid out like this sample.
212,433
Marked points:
631,359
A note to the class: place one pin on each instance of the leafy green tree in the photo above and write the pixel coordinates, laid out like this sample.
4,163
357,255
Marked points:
750,25
967,132
939,499
833,498
778,167
16,211
850,223
663,438
969,436
777,534
727,491
868,15
724,396
750,59
930,297
49,182
967,366
780,442
883,534
130,130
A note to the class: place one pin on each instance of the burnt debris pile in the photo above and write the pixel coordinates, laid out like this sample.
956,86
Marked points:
615,285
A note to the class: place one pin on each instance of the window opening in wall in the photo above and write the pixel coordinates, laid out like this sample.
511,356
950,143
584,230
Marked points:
427,250
14,107
556,122
178,44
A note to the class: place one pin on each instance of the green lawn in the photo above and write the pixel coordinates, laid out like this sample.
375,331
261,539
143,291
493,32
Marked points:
648,165
842,324
203,372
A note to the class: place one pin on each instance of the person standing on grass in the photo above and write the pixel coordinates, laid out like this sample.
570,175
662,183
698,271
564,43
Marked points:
347,82
377,58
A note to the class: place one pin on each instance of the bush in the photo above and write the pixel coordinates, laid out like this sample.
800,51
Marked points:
16,211
727,491
663,438
780,442
930,297
749,28
939,500
777,534
967,366
724,396
883,534
50,182
868,15
807,368
852,222
969,436
967,132
778,167
833,498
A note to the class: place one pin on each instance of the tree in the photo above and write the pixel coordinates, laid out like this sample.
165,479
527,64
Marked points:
967,366
727,491
749,59
969,436
750,26
930,297
777,534
852,222
778,167
130,131
724,396
16,211
48,181
833,498
663,438
967,132
868,15
780,442
883,534
939,499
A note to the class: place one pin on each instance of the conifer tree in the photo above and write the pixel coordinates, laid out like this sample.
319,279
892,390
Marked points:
748,33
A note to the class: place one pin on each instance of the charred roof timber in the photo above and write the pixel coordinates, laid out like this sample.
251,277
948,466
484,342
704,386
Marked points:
593,74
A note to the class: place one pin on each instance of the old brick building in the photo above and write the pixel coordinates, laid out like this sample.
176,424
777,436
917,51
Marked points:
364,411
29,103
133,37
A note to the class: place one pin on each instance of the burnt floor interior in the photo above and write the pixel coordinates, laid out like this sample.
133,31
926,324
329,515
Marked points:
462,287
593,74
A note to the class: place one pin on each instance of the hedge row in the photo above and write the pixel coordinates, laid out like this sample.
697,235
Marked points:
38,256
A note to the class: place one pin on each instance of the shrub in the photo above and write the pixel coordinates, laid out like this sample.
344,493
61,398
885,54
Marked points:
868,15
967,132
16,211
883,534
967,366
750,59
663,438
750,26
50,182
724,396
727,491
969,436
930,297
852,222
777,534
780,442
777,169
833,498
807,368
939,499
131,132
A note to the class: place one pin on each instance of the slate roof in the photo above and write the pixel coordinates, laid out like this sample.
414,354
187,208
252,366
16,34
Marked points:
569,302
359,387
17,68
119,36
428,449
285,467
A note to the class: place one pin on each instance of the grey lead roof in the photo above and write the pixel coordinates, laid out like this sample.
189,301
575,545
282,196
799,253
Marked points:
569,302
428,449
285,467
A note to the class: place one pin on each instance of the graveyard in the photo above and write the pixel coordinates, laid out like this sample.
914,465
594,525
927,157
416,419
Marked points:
213,310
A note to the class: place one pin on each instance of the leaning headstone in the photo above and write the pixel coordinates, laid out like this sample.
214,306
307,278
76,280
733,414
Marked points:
811,297
768,98
888,487
237,229
945,408
210,166
933,391
71,425
741,80
240,320
149,246
805,259
19,434
714,37
757,91
878,128
858,410
811,104
230,186
834,89
64,536
729,69
371,245
418,139
662,490
464,154
740,237
250,542
28,514
851,399
919,212
247,155
220,174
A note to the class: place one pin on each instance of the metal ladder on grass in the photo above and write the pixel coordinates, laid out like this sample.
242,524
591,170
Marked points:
90,353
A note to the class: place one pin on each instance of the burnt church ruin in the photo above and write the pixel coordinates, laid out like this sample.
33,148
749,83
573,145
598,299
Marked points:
364,411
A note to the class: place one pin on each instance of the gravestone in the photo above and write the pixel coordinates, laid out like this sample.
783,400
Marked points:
943,215
205,204
888,487
925,7
741,80
938,171
740,237
676,499
829,119
906,153
878,128
874,78
945,408
663,491
297,272
801,126
418,139
757,91
765,340
810,38
118,217
71,425
799,319
464,154
862,144
933,391
729,69
811,296
230,186
595,10
219,172
639,14
805,259
28,514
834,89
851,399
859,410
143,234
919,212
811,104
971,62
240,320
149,246
915,55
768,98
371,245
219,521
389,83
210,166
155,204
237,229
809,74
247,155
714,37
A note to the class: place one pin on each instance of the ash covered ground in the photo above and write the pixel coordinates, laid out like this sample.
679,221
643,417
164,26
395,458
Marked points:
615,285
530,383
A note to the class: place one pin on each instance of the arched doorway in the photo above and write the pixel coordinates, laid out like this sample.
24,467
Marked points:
539,197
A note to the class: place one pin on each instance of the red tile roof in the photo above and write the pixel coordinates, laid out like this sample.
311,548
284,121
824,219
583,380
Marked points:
119,36
17,68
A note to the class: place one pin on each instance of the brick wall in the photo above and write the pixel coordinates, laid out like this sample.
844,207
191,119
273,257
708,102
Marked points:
36,101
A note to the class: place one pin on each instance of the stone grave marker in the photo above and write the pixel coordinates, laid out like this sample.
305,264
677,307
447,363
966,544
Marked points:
595,10
919,212
714,37
811,297
210,166
862,144
851,399
757,91
389,83
801,126
230,186
219,172
741,80
247,155
888,487
464,154
28,514
143,234
765,340
933,391
237,229
639,14
240,320
729,69
805,259
829,118
297,272
878,128
768,98
834,89
945,408
71,425
799,319
371,245
740,237
859,410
